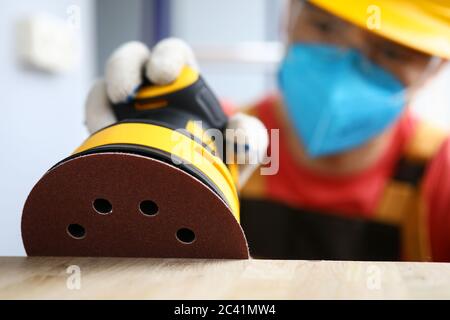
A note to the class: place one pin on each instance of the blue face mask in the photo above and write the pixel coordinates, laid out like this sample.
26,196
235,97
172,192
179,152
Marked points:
337,99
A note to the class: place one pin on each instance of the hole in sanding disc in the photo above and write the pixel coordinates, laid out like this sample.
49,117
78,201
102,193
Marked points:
76,231
102,206
149,208
186,235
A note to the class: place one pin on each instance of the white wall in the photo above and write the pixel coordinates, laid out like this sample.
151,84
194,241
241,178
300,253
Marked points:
433,102
41,117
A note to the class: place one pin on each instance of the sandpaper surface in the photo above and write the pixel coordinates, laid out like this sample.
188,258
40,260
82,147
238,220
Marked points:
65,198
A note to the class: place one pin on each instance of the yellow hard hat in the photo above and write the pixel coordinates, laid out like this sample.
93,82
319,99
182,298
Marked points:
423,25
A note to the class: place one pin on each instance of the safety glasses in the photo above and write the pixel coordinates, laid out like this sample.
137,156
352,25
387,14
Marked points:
310,24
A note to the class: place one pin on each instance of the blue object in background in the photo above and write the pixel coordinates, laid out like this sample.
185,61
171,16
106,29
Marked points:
337,98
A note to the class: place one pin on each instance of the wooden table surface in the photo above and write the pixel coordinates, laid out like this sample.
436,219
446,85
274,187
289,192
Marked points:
112,278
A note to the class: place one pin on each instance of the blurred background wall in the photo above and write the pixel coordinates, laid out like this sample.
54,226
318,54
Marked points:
117,21
237,44
41,119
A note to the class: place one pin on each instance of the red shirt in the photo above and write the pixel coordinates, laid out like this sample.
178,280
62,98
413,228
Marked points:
359,194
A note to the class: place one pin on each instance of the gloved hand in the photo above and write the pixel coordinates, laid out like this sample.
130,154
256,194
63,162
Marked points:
124,71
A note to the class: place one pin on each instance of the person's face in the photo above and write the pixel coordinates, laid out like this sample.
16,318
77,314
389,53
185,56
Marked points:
315,25
310,24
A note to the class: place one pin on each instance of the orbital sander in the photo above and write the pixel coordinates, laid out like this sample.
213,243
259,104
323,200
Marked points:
154,184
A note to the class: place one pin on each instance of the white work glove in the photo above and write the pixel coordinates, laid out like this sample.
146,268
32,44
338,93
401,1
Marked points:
123,76
163,65
249,139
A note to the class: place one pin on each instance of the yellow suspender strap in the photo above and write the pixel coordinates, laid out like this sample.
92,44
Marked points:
402,203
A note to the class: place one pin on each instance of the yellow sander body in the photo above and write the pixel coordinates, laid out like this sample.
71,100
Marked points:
152,185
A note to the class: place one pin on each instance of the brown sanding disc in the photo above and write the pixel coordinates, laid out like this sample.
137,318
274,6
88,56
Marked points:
125,205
